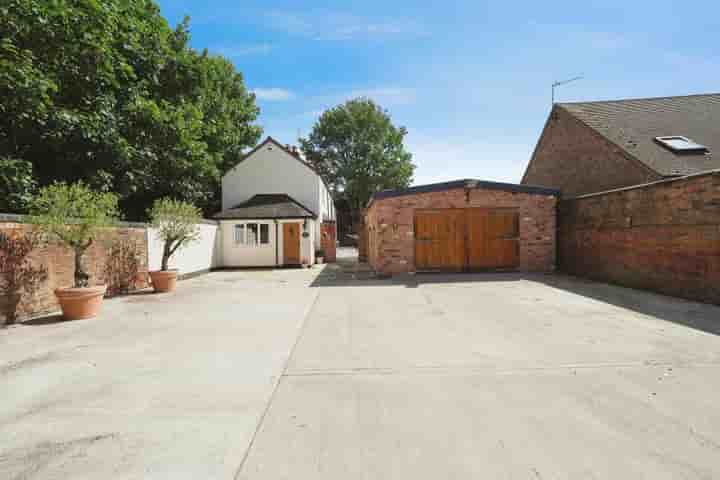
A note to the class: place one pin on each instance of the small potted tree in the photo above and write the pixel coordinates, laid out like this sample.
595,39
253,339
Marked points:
319,256
74,215
18,275
175,223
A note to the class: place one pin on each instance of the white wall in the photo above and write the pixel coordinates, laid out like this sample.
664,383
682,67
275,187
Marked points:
202,254
271,170
234,255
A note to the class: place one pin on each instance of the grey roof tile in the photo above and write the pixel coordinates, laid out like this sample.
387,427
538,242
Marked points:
633,125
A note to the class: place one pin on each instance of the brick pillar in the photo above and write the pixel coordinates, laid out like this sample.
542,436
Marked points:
328,240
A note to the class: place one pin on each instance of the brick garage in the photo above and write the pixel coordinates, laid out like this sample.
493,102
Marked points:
394,246
664,236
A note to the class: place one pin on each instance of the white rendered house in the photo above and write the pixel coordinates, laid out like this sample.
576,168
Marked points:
273,209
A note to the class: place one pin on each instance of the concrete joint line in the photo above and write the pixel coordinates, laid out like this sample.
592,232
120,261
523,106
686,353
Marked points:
276,386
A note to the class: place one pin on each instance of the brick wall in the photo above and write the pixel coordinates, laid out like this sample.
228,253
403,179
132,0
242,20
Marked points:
663,237
328,240
575,159
60,263
392,249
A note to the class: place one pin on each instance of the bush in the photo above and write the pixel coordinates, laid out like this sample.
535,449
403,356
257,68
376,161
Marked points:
176,224
74,214
17,273
122,266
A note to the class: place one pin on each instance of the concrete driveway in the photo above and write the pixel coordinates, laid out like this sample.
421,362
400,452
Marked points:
422,377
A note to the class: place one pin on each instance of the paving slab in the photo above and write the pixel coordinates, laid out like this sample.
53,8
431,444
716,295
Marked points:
159,386
495,376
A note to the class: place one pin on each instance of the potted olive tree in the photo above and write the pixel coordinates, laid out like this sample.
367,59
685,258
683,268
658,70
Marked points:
175,223
74,215
18,274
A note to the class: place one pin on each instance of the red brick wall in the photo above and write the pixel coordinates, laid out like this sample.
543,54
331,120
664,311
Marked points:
392,250
663,237
328,240
60,263
575,159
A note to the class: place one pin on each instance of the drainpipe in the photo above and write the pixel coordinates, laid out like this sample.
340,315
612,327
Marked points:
277,242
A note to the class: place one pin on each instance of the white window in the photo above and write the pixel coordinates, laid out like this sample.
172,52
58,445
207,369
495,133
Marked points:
252,234
680,144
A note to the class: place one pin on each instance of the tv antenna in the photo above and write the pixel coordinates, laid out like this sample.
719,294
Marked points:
562,82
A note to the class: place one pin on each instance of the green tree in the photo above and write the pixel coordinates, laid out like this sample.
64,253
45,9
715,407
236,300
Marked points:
17,184
107,93
74,214
176,224
358,151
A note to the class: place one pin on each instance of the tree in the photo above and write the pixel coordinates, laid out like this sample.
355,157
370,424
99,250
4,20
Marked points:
176,224
74,214
107,93
358,151
17,184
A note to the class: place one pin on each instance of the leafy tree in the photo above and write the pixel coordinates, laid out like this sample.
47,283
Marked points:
74,214
176,224
107,93
17,184
358,151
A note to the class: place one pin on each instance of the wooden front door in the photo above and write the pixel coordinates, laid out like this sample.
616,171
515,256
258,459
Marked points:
440,240
466,239
291,243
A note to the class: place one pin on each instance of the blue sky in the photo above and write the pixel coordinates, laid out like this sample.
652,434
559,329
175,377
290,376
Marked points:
470,80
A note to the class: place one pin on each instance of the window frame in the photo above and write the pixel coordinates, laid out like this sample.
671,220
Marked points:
244,227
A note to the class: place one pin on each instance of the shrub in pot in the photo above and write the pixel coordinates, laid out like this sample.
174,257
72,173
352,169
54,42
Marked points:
176,225
74,214
18,275
319,256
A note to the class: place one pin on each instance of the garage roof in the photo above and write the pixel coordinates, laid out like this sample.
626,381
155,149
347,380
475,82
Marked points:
465,183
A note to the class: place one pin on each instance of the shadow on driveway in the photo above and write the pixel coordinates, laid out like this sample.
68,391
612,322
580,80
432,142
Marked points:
347,272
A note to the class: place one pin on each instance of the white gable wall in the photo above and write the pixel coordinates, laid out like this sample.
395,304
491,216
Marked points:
271,170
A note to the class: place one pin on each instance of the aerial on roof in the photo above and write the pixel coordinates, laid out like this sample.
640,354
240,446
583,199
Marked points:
690,126
465,183
266,206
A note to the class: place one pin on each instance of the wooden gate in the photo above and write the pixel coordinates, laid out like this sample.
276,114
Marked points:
466,239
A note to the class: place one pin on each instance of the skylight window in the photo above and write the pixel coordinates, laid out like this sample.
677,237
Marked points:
680,144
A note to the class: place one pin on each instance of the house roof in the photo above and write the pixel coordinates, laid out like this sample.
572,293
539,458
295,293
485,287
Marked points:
266,206
634,124
464,183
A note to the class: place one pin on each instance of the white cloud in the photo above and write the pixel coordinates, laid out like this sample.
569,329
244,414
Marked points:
339,26
243,50
273,94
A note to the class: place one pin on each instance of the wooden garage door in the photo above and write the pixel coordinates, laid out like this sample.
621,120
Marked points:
440,240
492,239
466,239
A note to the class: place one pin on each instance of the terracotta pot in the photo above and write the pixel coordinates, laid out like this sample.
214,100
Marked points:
164,281
79,303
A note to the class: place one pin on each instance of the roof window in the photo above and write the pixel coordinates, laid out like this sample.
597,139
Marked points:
680,144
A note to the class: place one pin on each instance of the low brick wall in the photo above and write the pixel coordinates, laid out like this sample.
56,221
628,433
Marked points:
392,250
663,236
60,263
